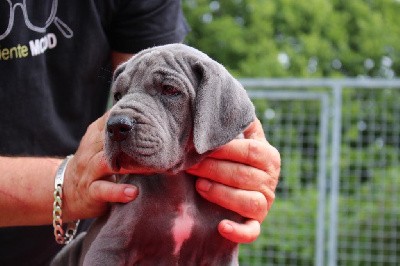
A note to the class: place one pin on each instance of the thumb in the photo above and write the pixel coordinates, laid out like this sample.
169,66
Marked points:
106,191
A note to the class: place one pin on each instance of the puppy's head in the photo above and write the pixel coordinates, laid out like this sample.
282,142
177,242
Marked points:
172,104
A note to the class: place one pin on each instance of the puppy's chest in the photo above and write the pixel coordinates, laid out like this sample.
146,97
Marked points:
168,202
171,201
171,211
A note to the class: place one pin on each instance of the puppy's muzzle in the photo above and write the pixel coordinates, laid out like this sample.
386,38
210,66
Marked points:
119,127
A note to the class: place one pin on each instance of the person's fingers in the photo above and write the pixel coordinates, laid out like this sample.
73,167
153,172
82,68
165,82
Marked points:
240,233
255,131
98,166
241,176
87,183
248,151
101,122
238,176
93,140
106,191
250,204
251,152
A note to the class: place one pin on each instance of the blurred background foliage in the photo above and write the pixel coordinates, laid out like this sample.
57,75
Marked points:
314,38
318,38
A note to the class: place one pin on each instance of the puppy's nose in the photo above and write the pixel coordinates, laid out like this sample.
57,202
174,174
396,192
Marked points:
119,126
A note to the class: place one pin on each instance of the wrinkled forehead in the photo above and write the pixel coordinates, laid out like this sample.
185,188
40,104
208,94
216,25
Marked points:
145,66
153,60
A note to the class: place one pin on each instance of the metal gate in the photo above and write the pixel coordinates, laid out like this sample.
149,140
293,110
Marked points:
337,202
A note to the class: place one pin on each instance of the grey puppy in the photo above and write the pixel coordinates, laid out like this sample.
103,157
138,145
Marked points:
173,105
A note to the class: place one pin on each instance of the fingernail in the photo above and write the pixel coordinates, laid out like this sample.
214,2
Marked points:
130,192
204,185
227,228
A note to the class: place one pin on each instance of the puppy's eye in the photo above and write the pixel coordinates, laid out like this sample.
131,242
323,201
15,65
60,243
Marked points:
117,96
169,90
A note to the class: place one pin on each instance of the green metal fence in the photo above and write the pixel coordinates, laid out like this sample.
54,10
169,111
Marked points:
337,202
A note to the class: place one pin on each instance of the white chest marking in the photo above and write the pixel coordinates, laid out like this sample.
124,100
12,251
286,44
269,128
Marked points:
182,228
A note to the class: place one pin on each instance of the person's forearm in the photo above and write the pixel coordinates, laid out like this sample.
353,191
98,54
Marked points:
26,190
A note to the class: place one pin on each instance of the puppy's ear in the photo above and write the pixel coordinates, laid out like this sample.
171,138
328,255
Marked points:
119,70
222,108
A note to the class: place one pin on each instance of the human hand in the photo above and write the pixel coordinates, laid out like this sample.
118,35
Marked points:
241,176
88,182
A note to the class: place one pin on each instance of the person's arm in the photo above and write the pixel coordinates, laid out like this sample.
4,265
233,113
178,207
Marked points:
27,184
118,58
26,190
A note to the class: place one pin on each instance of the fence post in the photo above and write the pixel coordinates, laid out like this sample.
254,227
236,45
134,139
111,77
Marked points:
335,172
322,171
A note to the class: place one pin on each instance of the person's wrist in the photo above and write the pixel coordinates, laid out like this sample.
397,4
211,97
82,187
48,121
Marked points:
63,234
70,203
